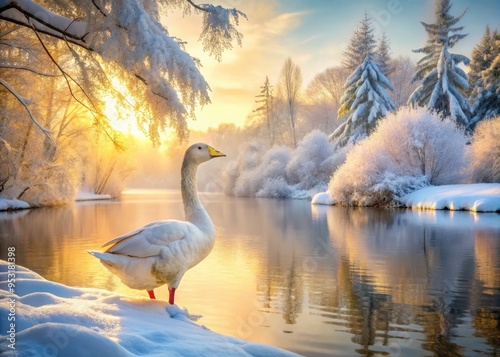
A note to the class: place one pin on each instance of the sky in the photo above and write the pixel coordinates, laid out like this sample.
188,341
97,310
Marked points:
313,33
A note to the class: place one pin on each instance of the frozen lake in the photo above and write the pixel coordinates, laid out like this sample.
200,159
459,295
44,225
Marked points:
319,281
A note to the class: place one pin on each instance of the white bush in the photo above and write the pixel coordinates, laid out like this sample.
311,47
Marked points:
485,151
309,166
281,172
275,188
272,166
409,150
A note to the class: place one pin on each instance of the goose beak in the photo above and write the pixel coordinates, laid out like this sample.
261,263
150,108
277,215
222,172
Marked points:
214,153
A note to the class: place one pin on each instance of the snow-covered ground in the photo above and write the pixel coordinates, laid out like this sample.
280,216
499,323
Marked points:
323,198
53,319
6,204
480,197
87,196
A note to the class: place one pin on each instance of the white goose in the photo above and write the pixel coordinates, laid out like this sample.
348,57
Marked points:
161,252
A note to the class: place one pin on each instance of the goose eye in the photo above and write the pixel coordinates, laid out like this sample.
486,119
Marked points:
199,147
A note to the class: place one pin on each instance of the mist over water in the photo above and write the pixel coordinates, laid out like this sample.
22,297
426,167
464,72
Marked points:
320,281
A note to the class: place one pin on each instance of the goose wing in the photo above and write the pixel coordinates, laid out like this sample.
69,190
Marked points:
150,239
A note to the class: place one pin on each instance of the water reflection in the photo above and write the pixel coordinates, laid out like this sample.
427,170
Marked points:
321,281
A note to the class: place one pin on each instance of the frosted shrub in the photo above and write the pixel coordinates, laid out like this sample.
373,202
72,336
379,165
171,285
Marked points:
409,150
272,166
248,159
485,151
309,166
275,188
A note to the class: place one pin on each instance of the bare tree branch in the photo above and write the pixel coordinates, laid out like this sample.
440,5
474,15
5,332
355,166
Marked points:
197,7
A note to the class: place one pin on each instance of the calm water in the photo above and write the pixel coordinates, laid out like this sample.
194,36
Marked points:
320,281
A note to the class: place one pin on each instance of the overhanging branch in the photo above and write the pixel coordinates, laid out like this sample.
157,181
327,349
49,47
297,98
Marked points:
25,105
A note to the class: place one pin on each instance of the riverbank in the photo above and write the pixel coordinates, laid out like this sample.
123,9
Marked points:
480,197
55,319
14,204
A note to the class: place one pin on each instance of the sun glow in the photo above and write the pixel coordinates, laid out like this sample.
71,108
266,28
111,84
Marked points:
121,111
122,119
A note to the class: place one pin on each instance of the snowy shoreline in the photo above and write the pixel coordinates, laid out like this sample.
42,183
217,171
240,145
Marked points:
54,319
15,205
479,197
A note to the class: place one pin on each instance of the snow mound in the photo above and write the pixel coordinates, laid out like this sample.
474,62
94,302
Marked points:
323,198
6,204
54,319
483,197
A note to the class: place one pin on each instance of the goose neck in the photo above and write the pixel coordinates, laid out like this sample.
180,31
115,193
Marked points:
188,188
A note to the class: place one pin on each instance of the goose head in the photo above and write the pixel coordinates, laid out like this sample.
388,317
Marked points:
200,152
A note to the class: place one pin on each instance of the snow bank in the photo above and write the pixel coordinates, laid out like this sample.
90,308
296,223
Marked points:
6,204
323,198
54,319
483,197
88,196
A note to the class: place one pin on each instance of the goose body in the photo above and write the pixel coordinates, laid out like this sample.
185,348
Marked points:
161,252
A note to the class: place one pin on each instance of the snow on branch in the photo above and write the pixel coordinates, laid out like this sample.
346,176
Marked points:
44,20
219,29
128,33
25,105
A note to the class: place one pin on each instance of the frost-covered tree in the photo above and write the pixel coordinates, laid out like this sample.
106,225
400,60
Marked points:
328,85
265,110
365,101
126,39
482,56
290,85
361,45
323,96
485,72
383,56
443,85
400,78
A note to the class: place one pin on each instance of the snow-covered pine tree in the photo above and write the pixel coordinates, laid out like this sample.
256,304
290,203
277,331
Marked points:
266,107
482,56
485,71
365,101
383,56
443,84
362,44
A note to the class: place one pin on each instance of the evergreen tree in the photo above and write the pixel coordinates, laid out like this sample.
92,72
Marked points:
482,56
365,101
487,104
383,56
362,45
485,70
266,108
443,84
